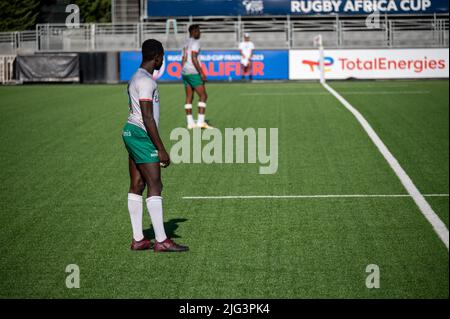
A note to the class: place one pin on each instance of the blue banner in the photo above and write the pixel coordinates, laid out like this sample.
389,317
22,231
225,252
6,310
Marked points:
174,8
217,65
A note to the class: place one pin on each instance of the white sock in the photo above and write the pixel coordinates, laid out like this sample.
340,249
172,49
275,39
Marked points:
135,210
201,119
190,119
154,205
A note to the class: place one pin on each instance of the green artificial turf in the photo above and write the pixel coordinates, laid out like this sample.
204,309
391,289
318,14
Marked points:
64,183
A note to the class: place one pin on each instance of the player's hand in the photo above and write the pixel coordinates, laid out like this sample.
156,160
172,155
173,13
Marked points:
203,76
164,158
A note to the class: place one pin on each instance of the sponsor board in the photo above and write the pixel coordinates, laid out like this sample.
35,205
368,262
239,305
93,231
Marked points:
217,65
370,64
174,8
367,6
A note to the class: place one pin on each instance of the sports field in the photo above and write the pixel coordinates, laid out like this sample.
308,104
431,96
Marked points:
64,184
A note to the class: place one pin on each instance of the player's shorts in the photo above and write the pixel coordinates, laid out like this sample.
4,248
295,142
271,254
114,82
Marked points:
139,145
192,80
245,62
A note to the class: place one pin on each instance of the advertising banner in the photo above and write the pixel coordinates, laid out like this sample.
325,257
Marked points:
174,8
48,67
217,65
370,64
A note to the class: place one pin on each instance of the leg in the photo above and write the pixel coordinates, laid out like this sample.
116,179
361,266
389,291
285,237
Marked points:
203,97
201,91
250,70
152,176
135,207
189,98
188,106
151,173
245,71
137,184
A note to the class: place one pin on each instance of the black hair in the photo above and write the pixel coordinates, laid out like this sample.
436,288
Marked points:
150,49
193,27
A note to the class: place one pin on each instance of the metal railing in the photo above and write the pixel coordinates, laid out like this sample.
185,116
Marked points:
17,42
7,68
275,33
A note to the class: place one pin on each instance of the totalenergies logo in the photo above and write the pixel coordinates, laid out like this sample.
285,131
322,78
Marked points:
328,62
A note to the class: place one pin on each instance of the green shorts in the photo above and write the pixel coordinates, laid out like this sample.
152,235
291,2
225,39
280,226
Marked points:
139,145
192,80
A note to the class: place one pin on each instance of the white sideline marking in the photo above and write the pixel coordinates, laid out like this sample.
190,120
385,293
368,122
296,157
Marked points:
308,196
387,83
412,190
347,93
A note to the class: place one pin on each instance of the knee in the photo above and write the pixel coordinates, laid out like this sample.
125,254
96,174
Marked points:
204,97
137,187
156,186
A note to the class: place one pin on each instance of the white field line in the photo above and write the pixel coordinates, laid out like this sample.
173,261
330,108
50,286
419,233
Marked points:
309,196
294,86
439,226
346,93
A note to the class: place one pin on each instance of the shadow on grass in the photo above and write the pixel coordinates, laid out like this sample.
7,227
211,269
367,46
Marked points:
171,226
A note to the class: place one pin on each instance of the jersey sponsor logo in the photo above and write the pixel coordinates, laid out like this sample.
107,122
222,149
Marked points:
127,133
156,96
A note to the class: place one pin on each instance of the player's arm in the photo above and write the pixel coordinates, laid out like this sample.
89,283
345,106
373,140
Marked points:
197,65
184,57
152,131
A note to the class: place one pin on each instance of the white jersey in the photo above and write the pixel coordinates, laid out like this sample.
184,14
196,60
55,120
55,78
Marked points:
247,48
142,87
192,45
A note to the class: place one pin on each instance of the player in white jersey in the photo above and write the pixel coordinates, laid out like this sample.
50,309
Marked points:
246,47
194,79
146,150
142,87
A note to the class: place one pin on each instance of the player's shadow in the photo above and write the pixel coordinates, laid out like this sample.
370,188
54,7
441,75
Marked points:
171,226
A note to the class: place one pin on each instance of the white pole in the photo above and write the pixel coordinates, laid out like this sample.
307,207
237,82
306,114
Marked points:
318,43
322,64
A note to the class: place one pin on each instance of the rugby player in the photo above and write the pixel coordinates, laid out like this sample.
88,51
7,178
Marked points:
194,79
246,47
146,150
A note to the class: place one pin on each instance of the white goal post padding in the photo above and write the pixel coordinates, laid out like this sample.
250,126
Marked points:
319,44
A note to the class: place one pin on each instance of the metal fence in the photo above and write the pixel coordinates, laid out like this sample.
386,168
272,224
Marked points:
276,33
7,68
